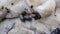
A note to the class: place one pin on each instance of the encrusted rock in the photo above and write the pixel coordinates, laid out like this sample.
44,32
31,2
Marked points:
11,9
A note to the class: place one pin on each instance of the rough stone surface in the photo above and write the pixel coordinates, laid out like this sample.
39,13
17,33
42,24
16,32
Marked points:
13,25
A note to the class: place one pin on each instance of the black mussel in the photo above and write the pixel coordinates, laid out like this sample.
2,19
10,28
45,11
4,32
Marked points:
26,9
27,18
23,13
31,6
37,15
56,31
32,15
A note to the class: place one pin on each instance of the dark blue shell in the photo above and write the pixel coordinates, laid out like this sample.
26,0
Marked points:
56,31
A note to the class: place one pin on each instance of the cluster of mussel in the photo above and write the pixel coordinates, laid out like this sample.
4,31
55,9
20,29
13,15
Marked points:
25,16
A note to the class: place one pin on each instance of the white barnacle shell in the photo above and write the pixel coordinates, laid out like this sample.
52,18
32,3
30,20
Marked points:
46,8
17,9
35,2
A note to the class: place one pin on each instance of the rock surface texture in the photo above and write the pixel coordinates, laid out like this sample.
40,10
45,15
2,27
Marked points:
18,17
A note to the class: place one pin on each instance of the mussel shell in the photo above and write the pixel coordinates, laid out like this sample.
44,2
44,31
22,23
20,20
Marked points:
27,18
56,31
22,18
